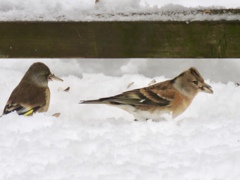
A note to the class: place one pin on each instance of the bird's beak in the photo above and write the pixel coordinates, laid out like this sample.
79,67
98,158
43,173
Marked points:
52,76
207,88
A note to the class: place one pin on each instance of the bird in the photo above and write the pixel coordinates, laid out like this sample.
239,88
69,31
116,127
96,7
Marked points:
32,94
171,97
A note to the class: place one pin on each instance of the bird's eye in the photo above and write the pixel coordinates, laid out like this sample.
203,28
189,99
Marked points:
195,82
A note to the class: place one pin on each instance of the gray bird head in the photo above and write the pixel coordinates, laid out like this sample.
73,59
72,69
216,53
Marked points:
39,74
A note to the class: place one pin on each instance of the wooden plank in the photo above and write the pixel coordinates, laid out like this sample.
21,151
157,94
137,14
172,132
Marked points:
148,39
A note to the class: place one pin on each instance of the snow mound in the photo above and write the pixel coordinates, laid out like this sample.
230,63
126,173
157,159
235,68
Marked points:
111,10
104,143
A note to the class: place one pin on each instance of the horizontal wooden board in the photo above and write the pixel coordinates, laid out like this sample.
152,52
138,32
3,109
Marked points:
148,39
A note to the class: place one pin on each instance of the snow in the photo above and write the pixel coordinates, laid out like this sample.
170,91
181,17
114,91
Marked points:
104,143
112,10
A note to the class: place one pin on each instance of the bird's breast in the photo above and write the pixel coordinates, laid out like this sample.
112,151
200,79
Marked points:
45,107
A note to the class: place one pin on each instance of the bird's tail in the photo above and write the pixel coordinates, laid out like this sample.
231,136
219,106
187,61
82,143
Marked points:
97,101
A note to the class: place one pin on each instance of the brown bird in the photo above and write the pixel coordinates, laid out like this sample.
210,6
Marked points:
172,96
32,94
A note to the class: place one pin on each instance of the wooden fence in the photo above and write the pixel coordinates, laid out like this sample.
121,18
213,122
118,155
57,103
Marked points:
145,39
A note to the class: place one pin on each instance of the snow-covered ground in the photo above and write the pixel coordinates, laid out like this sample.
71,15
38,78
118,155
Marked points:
113,10
100,142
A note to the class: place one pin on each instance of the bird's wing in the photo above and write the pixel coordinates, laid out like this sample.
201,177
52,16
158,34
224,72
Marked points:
20,109
144,96
23,102
138,97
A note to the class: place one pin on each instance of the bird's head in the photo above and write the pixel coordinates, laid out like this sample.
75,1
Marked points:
190,82
40,74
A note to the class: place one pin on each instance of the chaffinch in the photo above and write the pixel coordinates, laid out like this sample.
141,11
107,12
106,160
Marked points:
172,96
